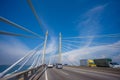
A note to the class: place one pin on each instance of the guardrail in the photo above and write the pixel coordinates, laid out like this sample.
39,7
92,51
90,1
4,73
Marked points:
24,75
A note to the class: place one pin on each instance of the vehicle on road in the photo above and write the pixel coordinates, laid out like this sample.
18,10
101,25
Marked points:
114,65
50,66
87,62
103,62
59,66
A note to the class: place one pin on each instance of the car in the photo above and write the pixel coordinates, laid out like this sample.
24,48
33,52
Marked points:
114,65
59,66
50,66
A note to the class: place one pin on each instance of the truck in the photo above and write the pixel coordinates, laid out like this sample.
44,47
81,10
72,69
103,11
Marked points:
87,62
105,62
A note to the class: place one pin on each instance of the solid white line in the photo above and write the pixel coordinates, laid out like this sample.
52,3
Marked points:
46,77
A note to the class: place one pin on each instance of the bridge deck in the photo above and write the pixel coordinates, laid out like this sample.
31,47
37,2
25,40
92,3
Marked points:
68,73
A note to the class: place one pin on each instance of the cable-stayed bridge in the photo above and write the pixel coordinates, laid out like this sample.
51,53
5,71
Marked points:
36,59
38,69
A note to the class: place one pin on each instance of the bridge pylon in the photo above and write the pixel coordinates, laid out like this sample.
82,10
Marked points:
44,48
60,46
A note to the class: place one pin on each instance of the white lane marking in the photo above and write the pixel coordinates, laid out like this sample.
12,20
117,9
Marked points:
46,77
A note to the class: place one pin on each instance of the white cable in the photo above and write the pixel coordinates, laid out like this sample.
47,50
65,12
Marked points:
38,60
73,41
71,45
33,64
17,62
26,61
14,34
18,26
35,14
66,49
97,36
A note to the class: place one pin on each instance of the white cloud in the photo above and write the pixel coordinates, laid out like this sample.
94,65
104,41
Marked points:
89,21
89,25
102,51
96,11
11,49
51,47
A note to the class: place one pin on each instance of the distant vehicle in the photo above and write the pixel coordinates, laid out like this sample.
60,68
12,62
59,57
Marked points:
59,66
114,65
87,62
50,66
103,62
65,64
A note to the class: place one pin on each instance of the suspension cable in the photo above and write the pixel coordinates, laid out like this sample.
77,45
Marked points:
18,26
14,34
97,36
17,62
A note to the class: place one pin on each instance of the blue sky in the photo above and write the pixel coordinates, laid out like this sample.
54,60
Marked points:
72,18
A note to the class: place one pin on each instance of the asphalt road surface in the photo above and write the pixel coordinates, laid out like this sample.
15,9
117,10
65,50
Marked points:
68,73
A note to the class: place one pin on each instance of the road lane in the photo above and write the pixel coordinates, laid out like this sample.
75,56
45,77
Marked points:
54,74
68,73
94,74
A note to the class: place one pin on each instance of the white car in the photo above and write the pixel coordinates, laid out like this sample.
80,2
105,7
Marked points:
50,66
114,65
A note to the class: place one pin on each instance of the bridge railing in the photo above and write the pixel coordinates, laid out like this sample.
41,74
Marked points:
24,75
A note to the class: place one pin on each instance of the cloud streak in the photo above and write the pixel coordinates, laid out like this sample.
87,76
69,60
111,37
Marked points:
89,21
